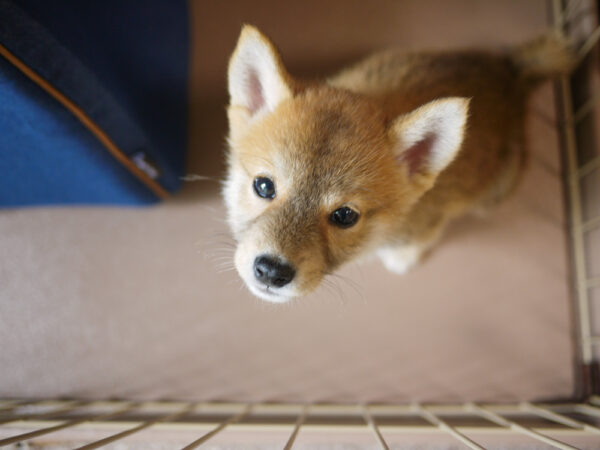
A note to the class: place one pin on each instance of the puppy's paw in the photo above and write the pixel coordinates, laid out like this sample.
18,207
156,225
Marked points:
400,259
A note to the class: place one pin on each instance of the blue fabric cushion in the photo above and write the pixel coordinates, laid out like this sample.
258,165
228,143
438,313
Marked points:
125,65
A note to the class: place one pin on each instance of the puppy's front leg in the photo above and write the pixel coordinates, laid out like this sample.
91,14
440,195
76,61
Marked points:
400,259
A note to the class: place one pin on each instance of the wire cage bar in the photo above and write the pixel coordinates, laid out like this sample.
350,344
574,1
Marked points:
576,217
95,424
576,170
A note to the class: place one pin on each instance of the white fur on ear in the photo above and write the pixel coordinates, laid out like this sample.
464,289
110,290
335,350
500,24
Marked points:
257,78
428,138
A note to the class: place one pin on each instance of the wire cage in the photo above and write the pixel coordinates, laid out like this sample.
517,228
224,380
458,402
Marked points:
571,423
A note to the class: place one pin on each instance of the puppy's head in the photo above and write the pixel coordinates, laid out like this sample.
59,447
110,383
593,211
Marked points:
318,175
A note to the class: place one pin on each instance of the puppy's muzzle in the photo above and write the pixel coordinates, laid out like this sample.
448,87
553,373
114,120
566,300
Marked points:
271,271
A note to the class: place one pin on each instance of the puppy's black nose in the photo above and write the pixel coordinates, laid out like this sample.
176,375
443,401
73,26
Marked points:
272,272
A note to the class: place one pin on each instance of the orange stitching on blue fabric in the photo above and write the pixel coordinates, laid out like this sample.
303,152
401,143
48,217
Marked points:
87,122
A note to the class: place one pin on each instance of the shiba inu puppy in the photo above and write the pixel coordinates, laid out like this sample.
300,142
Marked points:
377,158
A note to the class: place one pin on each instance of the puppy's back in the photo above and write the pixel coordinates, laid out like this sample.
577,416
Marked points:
492,154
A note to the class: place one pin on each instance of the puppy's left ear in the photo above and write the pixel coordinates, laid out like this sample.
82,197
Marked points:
257,79
427,139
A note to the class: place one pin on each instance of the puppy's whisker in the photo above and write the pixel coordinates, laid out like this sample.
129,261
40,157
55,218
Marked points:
220,249
218,245
351,283
332,287
220,255
191,177
223,262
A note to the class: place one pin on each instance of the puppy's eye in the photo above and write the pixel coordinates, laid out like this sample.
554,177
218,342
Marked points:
264,187
344,217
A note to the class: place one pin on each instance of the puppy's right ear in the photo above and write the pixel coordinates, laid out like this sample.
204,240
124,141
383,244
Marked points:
258,81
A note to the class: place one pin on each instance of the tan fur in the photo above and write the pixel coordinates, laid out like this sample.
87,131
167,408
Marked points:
338,143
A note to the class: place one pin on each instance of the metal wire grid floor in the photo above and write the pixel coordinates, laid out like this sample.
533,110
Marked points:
116,420
112,421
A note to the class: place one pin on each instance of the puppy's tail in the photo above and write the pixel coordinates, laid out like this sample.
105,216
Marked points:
548,56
